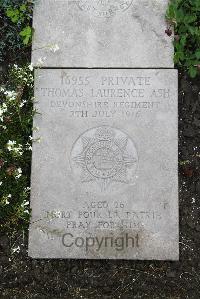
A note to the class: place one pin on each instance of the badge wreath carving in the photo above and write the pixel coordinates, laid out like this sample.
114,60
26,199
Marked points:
104,8
105,155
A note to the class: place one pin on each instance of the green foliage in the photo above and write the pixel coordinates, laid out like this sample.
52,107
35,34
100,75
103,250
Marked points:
184,15
26,34
19,16
15,14
16,31
16,113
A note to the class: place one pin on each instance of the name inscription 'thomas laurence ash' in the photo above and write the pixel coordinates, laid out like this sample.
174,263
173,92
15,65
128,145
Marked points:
104,175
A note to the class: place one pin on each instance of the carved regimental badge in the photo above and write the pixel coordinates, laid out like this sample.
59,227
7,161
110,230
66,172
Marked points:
104,8
104,155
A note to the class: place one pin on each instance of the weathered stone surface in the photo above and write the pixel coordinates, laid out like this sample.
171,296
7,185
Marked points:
104,176
93,33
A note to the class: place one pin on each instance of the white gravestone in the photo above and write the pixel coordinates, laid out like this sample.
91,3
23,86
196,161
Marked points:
101,33
104,176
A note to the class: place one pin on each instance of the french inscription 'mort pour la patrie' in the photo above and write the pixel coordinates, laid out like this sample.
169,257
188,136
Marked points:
104,176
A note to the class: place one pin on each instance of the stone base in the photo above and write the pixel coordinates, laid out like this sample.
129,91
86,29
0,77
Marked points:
104,176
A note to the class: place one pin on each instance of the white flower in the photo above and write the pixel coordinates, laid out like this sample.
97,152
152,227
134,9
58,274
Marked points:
30,67
10,142
25,203
6,199
22,103
3,108
19,173
17,249
7,202
11,95
12,147
27,189
1,183
54,48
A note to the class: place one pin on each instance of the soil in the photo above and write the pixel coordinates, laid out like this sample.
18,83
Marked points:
23,277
